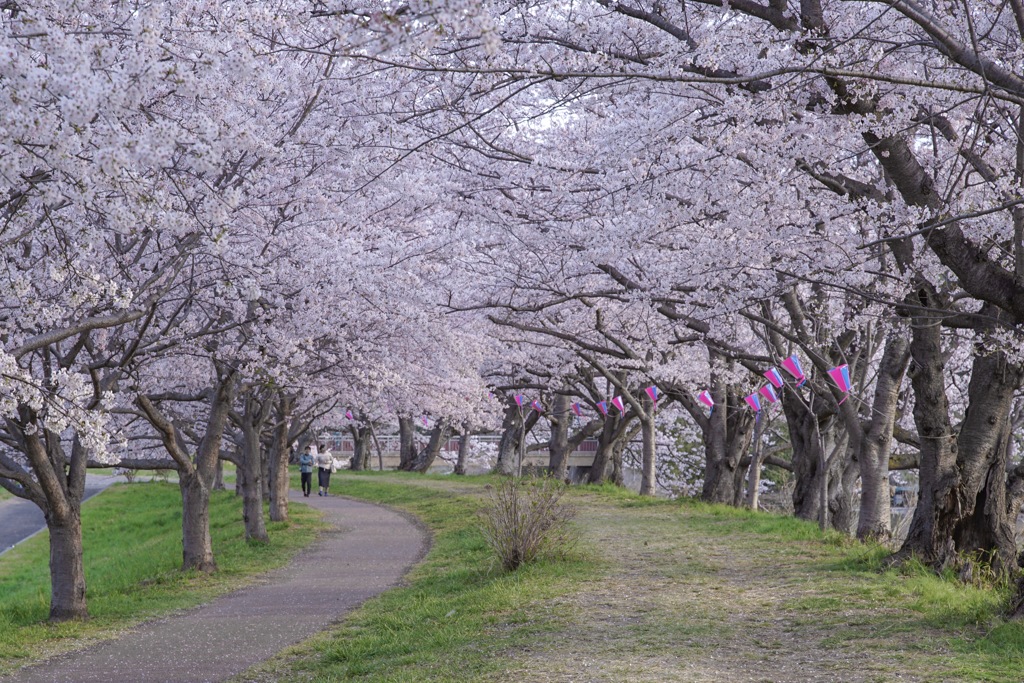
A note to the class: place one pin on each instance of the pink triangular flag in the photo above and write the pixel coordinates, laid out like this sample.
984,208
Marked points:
774,377
792,366
841,376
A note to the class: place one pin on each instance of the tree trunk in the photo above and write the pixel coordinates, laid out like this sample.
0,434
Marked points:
196,476
989,527
359,459
835,479
930,534
67,573
558,440
406,442
252,487
611,441
197,548
265,469
756,460
804,435
254,460
617,476
465,441
58,493
438,438
823,452
280,481
1015,482
649,435
508,444
726,439
876,444
376,446
218,482
986,526
513,431
362,446
603,455
726,433
197,480
843,473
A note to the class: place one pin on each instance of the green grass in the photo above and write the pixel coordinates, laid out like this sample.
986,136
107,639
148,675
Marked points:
132,555
459,615
941,601
102,471
955,631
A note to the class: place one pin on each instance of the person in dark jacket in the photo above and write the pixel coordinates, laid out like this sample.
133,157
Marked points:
306,471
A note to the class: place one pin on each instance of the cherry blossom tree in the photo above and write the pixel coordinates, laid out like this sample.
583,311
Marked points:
98,228
823,101
829,98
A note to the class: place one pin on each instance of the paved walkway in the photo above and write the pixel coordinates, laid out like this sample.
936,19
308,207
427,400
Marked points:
21,519
370,550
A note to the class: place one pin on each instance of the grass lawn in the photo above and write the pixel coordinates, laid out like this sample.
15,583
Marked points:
659,591
132,552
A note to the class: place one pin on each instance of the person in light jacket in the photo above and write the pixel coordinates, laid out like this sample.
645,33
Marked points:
325,465
306,471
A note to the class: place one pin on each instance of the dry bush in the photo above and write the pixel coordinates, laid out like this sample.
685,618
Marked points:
525,518
126,472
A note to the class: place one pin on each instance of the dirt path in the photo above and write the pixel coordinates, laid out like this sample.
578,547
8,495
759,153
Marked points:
370,550
680,604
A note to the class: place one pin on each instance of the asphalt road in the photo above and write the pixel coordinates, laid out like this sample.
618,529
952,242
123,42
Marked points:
20,519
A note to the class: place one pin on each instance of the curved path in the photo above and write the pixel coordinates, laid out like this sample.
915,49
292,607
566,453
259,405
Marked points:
369,550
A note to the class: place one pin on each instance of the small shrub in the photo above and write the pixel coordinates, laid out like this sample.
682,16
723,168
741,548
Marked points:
126,472
525,518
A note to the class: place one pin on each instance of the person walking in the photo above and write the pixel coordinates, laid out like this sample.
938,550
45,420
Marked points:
336,462
306,471
325,465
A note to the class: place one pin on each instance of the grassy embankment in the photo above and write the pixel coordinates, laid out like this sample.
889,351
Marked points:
132,554
660,591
